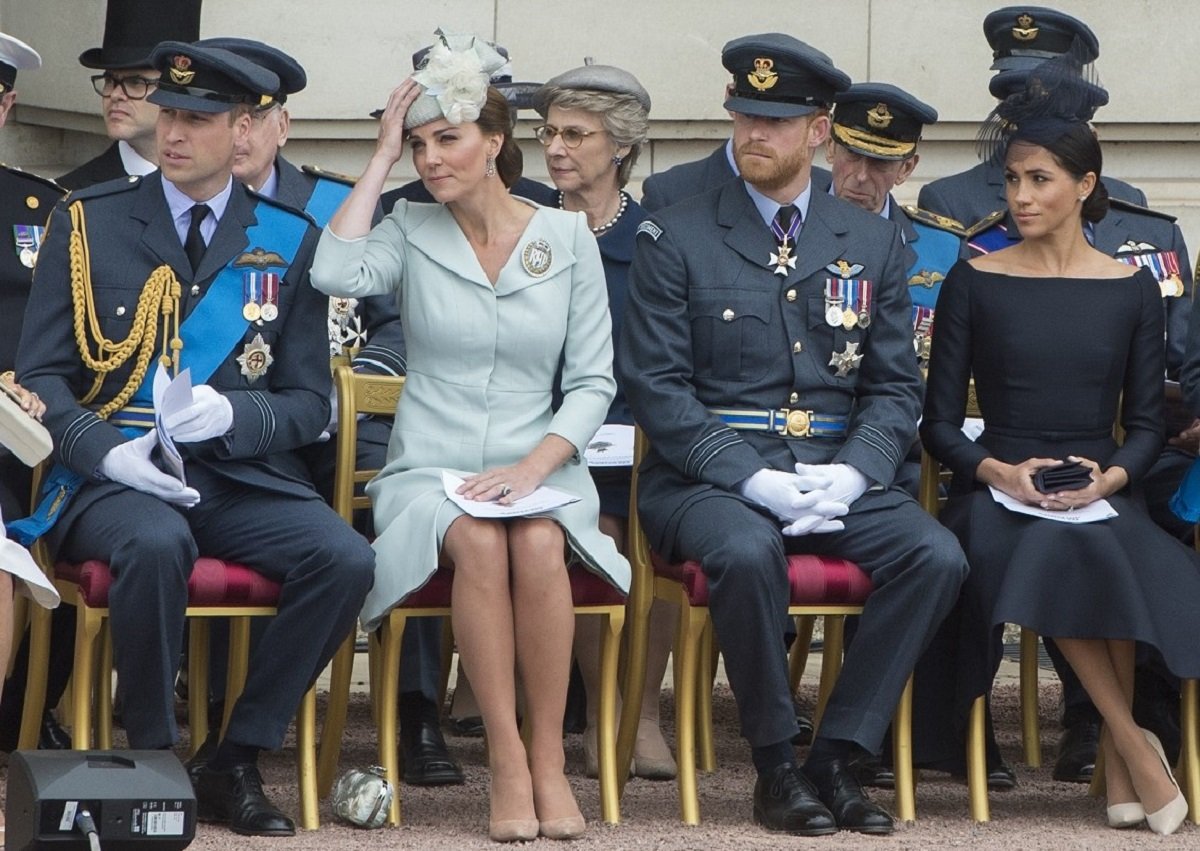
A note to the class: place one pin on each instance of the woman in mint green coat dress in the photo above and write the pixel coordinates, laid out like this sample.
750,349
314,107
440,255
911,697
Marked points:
493,293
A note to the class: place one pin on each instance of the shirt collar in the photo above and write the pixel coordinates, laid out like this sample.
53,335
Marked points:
181,205
133,162
271,188
768,208
729,156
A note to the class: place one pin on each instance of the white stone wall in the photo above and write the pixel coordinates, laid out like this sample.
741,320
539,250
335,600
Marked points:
356,50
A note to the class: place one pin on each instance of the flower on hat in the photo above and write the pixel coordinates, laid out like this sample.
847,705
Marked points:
457,73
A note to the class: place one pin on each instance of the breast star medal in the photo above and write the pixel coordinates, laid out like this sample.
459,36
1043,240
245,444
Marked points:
846,360
255,358
781,257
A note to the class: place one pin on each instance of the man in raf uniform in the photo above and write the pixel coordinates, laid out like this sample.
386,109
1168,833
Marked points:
188,269
131,30
25,202
769,358
371,328
872,149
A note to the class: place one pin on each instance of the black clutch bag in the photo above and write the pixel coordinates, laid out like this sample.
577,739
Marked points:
1067,476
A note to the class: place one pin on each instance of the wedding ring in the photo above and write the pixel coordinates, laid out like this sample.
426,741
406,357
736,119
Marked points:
505,490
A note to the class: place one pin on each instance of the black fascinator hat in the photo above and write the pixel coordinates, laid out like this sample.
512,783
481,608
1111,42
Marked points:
1057,96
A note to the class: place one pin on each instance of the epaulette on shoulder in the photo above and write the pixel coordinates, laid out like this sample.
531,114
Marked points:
108,187
934,220
1129,206
288,208
314,171
984,223
34,178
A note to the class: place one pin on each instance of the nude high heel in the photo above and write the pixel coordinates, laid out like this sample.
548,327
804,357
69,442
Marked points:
1168,819
1122,816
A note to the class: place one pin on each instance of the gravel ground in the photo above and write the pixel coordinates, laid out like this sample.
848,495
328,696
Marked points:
1038,814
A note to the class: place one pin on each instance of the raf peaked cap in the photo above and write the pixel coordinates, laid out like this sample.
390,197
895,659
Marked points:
880,121
595,78
290,72
207,79
132,29
15,55
1005,83
1024,36
777,76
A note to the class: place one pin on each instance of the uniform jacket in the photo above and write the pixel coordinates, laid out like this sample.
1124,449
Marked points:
25,199
685,180
383,353
972,195
107,166
130,233
710,324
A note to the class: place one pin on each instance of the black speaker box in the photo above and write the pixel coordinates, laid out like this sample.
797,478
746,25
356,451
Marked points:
138,799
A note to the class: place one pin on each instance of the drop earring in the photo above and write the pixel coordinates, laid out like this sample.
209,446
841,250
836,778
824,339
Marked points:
617,160
490,169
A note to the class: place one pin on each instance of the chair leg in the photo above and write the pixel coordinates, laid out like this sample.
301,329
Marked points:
831,663
239,666
706,749
798,657
606,732
633,684
198,681
20,619
104,687
1190,751
335,715
306,759
977,788
1029,698
374,651
691,625
35,684
902,754
391,633
447,659
87,628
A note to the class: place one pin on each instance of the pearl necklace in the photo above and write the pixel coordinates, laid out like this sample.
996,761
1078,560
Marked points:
611,223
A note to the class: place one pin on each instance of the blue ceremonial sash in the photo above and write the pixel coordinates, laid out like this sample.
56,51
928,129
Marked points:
992,239
1185,504
209,337
327,196
937,250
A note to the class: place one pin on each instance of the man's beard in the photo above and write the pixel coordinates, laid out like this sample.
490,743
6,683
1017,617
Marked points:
770,174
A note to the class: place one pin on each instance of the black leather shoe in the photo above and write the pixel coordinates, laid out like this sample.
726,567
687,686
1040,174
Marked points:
235,796
871,771
51,736
202,757
469,727
785,801
839,790
1001,778
427,762
1077,752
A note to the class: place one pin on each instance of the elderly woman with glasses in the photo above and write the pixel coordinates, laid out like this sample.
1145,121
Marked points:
596,119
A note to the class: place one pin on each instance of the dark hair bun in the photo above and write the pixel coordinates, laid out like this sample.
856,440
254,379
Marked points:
1095,206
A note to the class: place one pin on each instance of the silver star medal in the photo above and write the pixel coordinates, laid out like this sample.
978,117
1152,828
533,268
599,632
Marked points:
846,360
783,260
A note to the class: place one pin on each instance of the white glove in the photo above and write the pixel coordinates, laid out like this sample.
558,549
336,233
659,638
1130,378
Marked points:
818,521
210,415
846,483
972,427
783,494
130,465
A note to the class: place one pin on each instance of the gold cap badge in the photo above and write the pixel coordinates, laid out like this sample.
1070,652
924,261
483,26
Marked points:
1025,30
763,76
180,74
879,116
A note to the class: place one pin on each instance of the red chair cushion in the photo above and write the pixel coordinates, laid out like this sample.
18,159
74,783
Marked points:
213,583
587,589
814,580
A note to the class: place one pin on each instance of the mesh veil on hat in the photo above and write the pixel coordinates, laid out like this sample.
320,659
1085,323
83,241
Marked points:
454,80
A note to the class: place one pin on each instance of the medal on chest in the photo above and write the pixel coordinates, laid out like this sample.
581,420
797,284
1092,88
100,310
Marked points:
1164,265
782,257
27,240
255,358
846,360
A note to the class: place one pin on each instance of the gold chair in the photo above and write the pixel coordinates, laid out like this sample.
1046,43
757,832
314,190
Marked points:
215,589
683,585
372,394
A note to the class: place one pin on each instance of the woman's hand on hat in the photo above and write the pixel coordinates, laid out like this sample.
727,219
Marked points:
391,122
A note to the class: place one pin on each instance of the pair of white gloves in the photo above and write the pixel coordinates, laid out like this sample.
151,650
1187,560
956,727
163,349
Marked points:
810,500
210,415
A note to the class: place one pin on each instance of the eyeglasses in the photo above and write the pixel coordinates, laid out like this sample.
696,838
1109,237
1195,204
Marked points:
135,88
572,137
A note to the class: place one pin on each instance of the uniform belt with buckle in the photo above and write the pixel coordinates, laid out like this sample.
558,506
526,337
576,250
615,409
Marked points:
789,422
